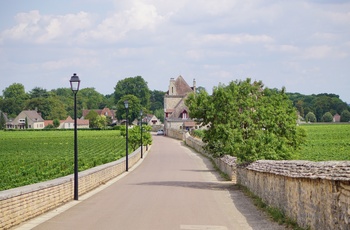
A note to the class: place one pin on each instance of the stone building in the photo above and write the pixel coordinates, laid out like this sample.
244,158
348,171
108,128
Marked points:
176,112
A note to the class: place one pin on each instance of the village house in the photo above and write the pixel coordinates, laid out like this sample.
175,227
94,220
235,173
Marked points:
27,119
176,112
151,119
69,123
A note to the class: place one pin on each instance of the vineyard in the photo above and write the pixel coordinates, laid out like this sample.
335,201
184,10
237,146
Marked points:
326,142
28,157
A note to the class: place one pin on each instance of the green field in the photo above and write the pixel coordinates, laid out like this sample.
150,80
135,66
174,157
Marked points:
28,157
326,142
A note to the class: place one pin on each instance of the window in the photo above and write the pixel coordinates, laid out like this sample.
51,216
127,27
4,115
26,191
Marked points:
22,121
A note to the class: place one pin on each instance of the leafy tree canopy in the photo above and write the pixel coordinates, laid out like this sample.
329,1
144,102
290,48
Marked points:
134,108
345,116
136,86
248,121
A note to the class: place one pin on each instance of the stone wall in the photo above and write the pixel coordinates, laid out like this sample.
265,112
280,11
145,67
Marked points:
226,164
314,194
175,133
20,204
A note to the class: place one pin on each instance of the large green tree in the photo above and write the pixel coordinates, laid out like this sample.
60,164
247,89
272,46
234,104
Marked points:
136,86
345,116
157,100
133,110
14,99
248,121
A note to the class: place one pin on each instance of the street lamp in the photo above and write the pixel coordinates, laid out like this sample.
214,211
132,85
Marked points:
141,135
126,104
74,85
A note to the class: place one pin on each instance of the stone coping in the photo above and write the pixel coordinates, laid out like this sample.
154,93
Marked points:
329,170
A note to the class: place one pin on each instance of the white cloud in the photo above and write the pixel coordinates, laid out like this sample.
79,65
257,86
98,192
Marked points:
116,27
34,27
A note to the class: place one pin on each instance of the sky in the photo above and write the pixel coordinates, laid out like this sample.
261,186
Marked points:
302,45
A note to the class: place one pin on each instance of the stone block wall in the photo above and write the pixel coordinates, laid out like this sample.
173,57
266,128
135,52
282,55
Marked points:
226,164
175,133
314,194
20,204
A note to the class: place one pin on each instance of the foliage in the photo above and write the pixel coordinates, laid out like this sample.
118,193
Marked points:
2,121
326,142
38,92
28,157
247,121
327,117
318,104
14,99
91,99
134,136
101,121
345,116
198,133
56,123
157,100
92,117
159,113
136,86
310,117
133,110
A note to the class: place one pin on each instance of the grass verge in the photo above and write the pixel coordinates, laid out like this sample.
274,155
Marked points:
272,212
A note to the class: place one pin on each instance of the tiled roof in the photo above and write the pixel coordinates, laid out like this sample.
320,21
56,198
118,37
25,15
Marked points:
182,87
33,115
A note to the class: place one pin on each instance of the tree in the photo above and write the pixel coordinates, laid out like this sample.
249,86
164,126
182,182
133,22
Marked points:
38,92
56,123
136,86
159,113
92,117
310,117
157,100
345,116
2,121
134,108
327,117
134,136
247,121
101,121
91,98
14,99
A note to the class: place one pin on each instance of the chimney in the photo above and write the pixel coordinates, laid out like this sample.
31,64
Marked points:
194,85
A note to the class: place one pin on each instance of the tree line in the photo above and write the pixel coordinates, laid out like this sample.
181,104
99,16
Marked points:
59,103
320,107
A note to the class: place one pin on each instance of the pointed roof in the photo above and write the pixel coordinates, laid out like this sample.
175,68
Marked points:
33,115
182,87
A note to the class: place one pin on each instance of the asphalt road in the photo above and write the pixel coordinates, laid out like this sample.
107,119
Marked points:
172,188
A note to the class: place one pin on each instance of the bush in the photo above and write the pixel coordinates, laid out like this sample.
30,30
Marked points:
327,117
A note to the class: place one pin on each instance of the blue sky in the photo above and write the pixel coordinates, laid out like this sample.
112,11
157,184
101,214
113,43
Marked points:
303,45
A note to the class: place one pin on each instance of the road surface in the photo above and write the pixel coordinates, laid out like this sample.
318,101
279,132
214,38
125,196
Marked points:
172,188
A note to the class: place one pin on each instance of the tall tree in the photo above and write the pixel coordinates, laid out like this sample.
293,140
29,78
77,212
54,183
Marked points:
14,99
134,108
136,86
248,121
2,121
38,92
157,100
91,98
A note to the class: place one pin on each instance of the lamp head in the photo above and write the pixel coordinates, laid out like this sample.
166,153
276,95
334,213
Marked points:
74,83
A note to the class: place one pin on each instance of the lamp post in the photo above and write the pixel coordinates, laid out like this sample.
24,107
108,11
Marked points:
141,135
126,104
74,85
